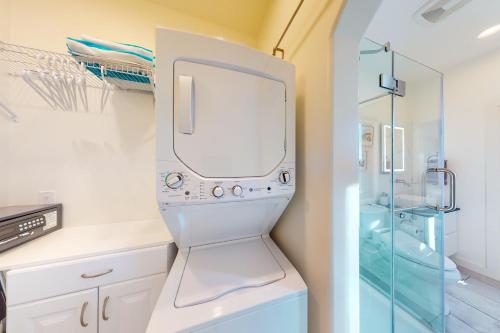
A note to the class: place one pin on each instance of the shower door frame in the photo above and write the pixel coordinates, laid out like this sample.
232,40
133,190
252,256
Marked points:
439,209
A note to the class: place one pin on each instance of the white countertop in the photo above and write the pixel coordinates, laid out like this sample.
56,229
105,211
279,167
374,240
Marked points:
85,241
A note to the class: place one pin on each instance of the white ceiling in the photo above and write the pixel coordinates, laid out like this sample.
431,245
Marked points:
441,45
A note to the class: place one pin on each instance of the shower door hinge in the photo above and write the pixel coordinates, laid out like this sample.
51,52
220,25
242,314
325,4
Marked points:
396,87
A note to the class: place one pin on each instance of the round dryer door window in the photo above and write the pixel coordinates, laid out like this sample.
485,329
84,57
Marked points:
228,123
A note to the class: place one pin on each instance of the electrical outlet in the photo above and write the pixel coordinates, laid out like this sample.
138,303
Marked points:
46,197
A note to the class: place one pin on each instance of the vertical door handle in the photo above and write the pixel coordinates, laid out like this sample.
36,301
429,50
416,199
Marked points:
82,315
185,104
452,186
104,306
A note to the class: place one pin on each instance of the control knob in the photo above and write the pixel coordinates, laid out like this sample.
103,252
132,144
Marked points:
174,180
237,190
218,192
284,177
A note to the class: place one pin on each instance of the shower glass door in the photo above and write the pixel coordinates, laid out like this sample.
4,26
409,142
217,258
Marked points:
375,251
401,193
418,196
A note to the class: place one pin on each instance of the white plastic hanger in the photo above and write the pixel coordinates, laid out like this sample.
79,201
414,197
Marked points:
62,83
9,112
39,90
48,81
56,77
66,91
71,87
81,86
106,88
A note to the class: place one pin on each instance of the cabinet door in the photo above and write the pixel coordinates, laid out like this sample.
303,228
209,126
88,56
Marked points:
126,307
72,313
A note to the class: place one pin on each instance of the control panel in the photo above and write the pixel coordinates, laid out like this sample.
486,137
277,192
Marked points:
19,224
180,185
32,223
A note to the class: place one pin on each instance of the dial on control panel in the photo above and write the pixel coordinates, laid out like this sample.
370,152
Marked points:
174,180
218,192
237,190
284,177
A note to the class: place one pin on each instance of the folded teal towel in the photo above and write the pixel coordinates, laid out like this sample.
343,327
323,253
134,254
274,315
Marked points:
98,50
119,46
110,51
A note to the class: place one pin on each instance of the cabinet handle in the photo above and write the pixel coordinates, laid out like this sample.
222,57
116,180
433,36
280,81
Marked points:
82,314
87,276
106,300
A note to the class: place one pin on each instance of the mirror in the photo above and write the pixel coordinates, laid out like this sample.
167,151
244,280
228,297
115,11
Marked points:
399,149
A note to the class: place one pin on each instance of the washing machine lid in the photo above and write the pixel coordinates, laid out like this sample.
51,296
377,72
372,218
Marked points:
215,270
228,122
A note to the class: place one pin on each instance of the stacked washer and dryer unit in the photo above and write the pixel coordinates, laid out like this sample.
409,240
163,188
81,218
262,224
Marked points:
225,132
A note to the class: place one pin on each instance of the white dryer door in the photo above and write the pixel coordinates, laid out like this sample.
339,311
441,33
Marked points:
227,122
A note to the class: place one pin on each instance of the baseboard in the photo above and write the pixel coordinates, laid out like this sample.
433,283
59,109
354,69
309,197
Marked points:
480,277
478,269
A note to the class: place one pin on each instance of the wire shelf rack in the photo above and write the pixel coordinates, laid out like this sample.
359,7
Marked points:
124,76
121,75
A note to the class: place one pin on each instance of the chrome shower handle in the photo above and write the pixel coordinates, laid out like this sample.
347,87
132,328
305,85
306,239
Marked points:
452,186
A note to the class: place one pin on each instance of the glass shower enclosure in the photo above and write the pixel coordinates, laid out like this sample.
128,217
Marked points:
402,199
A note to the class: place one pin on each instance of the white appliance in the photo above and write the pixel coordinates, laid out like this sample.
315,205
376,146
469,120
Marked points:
225,132
450,233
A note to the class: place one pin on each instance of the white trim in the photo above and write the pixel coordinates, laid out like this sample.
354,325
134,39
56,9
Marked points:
351,27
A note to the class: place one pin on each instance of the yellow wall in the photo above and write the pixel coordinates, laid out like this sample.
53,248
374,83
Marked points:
4,33
4,19
46,24
305,230
100,165
244,16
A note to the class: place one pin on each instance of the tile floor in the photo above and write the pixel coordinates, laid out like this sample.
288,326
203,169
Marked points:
474,307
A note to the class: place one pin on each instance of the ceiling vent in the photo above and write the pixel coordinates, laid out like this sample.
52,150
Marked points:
435,11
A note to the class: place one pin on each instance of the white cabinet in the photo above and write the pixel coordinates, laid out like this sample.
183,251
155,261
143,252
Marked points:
450,233
73,313
44,281
126,307
111,293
